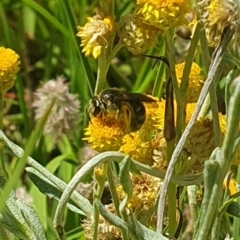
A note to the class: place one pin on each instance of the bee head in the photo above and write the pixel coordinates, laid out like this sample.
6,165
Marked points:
94,108
108,99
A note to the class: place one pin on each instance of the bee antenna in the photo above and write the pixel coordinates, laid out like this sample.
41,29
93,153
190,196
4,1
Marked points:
161,58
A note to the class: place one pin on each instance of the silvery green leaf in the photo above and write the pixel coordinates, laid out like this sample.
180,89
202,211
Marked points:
47,188
32,219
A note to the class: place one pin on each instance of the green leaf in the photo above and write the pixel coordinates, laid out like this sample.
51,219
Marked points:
47,188
124,175
30,146
29,17
13,220
234,209
54,164
143,233
32,219
9,222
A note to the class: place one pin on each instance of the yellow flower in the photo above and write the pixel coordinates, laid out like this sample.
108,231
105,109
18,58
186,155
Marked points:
9,66
136,35
105,229
163,14
95,34
195,81
159,152
231,187
190,107
145,189
154,115
138,147
218,14
200,143
105,134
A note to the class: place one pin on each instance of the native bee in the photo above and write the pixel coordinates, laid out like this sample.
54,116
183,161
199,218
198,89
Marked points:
128,106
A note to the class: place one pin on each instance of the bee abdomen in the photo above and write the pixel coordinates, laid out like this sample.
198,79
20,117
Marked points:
139,116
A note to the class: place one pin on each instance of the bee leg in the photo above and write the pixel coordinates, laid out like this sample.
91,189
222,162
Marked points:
117,113
127,116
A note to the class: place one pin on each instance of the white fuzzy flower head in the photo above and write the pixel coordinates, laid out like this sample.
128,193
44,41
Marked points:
65,113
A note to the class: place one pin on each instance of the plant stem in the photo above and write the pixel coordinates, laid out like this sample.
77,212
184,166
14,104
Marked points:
3,172
104,62
112,187
218,55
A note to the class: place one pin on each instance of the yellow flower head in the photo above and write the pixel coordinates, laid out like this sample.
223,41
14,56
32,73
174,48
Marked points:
136,35
95,34
9,66
195,81
159,152
105,134
136,146
145,189
154,115
218,14
105,229
163,14
200,143
231,186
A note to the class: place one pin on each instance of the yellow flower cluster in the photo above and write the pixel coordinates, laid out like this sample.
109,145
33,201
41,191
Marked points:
163,14
195,82
105,134
9,66
136,35
95,34
137,31
105,229
217,15
145,188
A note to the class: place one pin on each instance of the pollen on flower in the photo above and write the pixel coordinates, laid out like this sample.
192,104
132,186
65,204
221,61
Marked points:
105,134
218,14
105,229
138,147
195,83
163,14
159,152
145,189
200,144
154,115
136,35
9,66
231,186
95,34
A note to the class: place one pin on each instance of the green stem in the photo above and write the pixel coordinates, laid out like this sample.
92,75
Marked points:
214,108
236,221
172,209
217,58
101,74
182,90
97,197
3,234
103,66
212,89
112,187
2,162
224,160
171,195
192,200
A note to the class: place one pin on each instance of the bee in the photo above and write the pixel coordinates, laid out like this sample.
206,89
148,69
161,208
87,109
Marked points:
128,106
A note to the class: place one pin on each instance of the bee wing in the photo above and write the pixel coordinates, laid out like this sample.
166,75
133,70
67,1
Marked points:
136,97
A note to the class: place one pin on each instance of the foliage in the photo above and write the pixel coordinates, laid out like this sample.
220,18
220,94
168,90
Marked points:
158,159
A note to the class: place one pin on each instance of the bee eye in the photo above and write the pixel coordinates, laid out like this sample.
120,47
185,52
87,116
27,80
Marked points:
104,105
97,110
